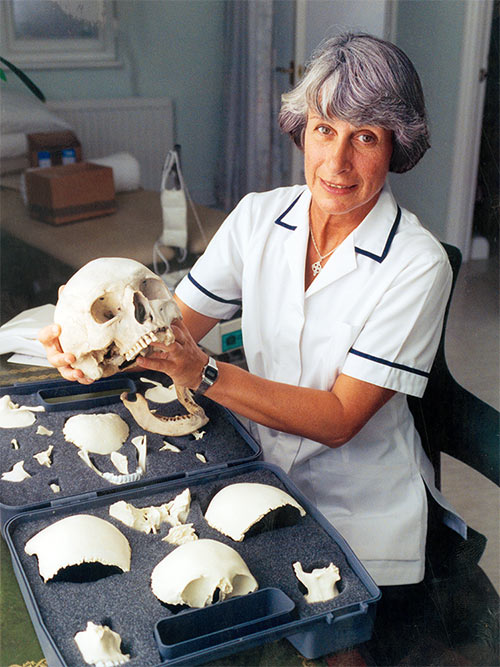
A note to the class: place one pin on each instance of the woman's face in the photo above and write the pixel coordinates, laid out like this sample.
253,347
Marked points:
345,168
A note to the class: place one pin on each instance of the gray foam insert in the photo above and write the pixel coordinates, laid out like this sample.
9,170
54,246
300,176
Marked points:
221,443
125,601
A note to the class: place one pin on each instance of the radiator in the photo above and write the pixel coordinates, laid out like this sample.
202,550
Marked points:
143,127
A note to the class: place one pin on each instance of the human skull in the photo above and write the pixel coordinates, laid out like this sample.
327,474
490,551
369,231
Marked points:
110,311
193,572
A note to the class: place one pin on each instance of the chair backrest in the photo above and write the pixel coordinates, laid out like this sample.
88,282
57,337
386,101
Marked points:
452,420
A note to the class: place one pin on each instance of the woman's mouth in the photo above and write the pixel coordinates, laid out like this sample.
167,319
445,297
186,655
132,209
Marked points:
338,187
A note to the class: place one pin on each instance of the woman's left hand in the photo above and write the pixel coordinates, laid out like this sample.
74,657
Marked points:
182,360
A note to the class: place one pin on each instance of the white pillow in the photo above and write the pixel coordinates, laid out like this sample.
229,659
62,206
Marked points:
25,113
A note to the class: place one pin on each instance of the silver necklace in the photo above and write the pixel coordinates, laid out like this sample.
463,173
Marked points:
316,267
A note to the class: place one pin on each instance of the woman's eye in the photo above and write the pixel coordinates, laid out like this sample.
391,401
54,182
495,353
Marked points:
323,129
366,138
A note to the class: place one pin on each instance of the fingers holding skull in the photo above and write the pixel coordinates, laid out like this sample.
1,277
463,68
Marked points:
49,338
182,360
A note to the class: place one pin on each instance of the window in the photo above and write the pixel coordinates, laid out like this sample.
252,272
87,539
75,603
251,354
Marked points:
58,33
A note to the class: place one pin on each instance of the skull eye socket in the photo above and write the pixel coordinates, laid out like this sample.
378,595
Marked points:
105,308
153,288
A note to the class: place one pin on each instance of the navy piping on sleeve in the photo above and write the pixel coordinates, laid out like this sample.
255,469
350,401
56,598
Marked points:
235,302
392,234
279,221
393,364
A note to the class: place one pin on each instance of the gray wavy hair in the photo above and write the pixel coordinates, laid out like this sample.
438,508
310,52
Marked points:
363,80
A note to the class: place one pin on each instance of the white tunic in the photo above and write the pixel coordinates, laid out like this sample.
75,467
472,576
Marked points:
375,313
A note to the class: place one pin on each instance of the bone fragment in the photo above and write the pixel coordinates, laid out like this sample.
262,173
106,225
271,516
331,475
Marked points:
120,462
44,458
178,425
198,435
159,393
149,519
181,534
97,433
201,457
55,488
321,583
100,646
14,443
17,474
41,430
167,446
13,415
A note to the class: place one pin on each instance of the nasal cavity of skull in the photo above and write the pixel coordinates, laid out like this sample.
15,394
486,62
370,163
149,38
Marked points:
141,311
105,308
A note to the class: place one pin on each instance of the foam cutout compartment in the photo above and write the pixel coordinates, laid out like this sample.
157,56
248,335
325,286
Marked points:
125,602
224,442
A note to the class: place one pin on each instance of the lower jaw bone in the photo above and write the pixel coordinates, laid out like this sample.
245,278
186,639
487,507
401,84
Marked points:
178,425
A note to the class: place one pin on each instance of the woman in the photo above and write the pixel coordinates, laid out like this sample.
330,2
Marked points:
343,296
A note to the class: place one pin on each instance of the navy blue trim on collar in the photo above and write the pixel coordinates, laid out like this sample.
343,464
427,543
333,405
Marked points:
392,233
392,364
235,302
279,221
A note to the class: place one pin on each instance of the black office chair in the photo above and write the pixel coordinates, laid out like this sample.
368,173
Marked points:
461,599
452,420
452,617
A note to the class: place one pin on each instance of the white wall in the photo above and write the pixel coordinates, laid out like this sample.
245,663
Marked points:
430,32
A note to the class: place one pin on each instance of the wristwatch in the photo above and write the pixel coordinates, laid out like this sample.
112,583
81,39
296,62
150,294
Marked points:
209,376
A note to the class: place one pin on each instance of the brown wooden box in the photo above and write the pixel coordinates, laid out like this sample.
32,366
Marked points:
70,192
54,143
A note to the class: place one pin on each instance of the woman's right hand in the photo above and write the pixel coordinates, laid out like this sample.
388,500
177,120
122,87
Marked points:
49,338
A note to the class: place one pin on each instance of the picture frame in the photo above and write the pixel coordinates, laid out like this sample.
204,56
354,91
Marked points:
48,34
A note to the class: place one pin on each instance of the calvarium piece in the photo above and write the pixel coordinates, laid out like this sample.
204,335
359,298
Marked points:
238,507
77,539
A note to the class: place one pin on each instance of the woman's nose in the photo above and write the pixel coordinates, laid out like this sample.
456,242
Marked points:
339,156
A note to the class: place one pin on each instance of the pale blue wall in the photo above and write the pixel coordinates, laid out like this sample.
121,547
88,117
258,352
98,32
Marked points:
169,48
430,32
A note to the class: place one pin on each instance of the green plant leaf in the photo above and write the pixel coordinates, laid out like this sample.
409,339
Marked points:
2,75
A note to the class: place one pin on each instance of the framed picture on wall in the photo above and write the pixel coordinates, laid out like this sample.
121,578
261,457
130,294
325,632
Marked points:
58,33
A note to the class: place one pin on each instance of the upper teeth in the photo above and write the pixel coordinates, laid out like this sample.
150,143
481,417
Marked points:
333,185
141,344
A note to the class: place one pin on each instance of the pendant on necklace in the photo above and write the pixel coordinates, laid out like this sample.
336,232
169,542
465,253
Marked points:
316,267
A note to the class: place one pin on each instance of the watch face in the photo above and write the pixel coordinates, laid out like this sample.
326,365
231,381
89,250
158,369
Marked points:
211,374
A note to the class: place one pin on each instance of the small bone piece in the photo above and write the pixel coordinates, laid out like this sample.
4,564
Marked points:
237,507
41,430
201,457
44,458
13,415
159,393
81,538
55,488
321,583
17,474
167,446
14,443
100,434
120,462
149,519
181,534
198,435
178,425
193,572
100,646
